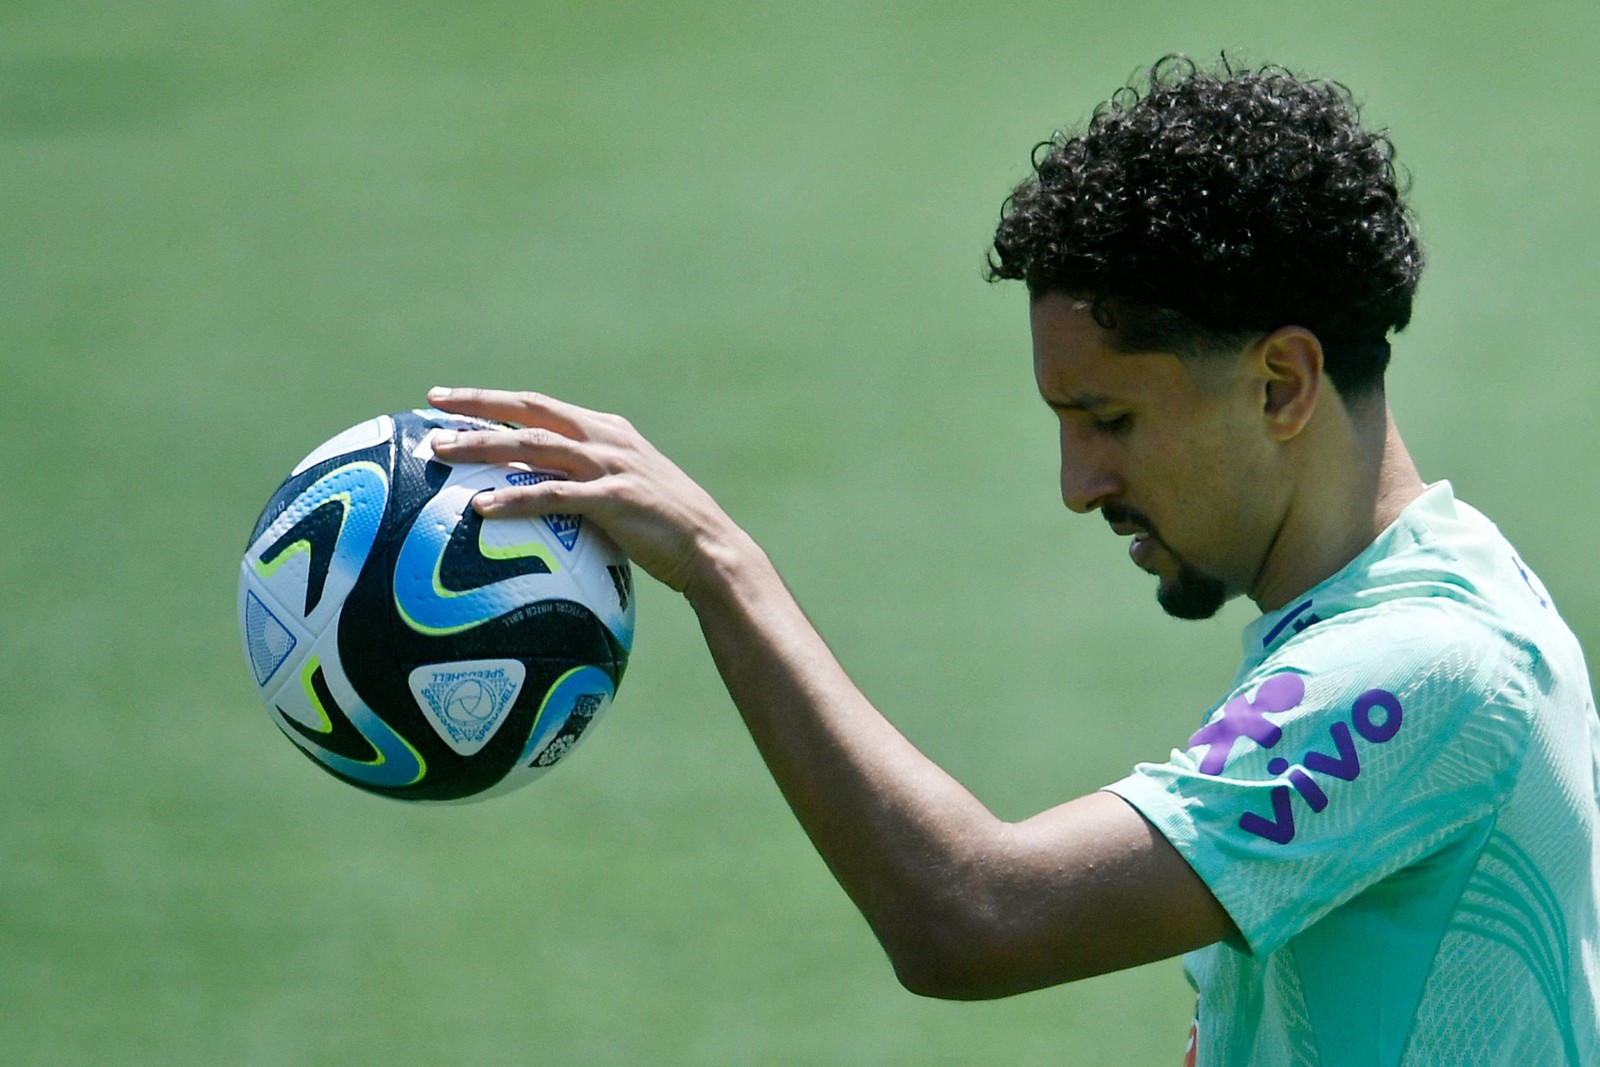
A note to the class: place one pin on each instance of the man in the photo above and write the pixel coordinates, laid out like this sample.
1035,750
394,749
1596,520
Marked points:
1380,846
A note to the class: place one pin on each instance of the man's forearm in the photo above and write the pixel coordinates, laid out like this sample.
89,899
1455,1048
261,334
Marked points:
898,832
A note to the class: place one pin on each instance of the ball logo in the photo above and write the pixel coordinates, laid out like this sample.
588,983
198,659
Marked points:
467,702
584,709
622,582
573,703
565,528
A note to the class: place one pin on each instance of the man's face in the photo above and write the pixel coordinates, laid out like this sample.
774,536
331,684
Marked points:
1171,452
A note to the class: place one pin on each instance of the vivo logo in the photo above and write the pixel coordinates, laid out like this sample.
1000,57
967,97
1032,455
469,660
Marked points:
1375,717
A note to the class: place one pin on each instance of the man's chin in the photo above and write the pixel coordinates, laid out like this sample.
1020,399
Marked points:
1191,595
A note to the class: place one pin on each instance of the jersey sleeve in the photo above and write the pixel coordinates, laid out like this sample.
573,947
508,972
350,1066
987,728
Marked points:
1358,748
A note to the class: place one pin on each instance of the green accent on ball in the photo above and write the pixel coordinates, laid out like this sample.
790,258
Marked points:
301,547
523,551
432,631
555,687
267,570
313,664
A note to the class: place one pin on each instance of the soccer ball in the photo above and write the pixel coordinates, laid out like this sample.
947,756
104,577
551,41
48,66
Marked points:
409,646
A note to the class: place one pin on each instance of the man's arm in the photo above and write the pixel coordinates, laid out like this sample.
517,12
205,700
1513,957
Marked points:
965,904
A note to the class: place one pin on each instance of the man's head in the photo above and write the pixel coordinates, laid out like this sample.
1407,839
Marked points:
1214,206
1201,259
1199,461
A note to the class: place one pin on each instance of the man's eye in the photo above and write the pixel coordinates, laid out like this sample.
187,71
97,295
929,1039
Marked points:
1117,425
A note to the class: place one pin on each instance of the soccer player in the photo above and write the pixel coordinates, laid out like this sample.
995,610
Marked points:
1379,846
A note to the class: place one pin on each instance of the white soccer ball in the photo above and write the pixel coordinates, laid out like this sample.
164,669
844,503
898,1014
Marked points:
412,648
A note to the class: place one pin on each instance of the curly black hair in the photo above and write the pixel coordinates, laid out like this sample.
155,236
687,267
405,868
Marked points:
1217,205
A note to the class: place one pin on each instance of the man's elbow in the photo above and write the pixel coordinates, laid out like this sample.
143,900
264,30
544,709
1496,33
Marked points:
963,964
939,982
936,978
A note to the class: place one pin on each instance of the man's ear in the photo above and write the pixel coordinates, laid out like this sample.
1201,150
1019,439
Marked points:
1289,361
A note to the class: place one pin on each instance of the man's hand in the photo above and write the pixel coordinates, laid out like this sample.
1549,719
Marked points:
655,513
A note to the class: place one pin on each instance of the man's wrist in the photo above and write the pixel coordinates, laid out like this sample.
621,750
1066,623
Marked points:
727,565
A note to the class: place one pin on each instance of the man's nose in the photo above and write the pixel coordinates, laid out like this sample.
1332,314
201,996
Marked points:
1085,483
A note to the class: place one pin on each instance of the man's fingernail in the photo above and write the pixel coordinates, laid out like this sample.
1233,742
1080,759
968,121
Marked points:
485,501
439,392
444,437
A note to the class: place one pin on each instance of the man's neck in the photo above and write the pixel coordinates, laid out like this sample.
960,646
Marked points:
1357,480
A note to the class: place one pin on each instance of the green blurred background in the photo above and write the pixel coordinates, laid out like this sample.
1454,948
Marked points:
231,229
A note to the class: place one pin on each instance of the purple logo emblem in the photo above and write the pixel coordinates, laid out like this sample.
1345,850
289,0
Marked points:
1375,717
1243,717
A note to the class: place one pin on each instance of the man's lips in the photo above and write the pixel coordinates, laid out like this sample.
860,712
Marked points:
1126,522
1142,551
1142,548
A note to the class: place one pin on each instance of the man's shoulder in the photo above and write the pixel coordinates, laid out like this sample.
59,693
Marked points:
1441,584
1447,606
1435,663
1441,557
1394,639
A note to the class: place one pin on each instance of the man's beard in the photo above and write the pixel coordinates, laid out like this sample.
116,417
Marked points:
1192,594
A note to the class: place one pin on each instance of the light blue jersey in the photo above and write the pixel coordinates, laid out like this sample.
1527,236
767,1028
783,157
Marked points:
1397,804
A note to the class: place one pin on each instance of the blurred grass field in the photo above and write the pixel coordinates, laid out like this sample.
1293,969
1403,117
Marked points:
230,230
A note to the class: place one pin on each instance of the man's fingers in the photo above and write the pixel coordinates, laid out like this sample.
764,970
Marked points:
521,408
533,445
541,498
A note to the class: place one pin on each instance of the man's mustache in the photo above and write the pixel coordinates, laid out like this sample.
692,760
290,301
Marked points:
1117,515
